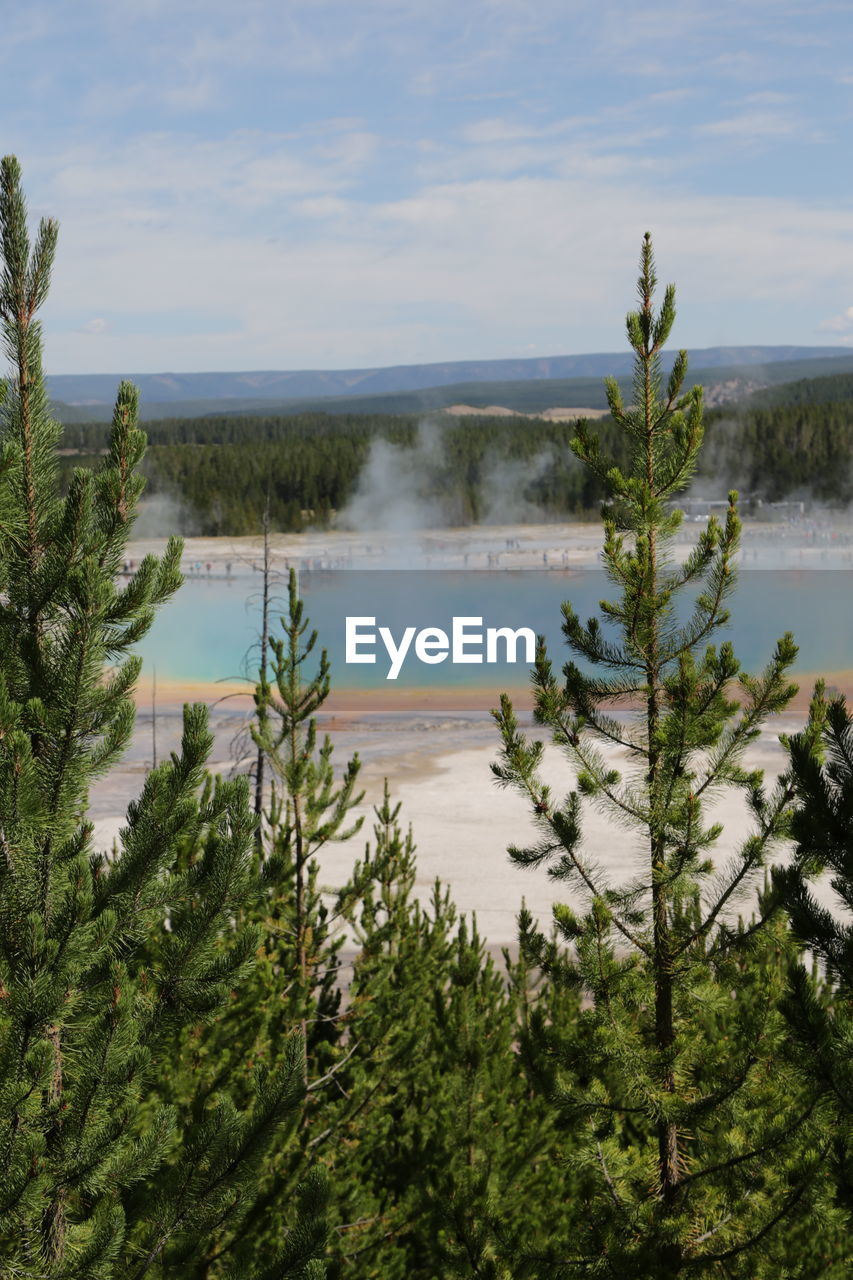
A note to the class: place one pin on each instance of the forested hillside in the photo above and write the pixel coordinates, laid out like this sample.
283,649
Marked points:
791,449
223,469
824,390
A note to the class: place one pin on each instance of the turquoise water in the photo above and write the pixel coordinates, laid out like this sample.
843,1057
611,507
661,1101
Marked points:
208,631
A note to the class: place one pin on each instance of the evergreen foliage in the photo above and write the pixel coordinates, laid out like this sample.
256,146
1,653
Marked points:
455,1172
822,826
829,389
293,984
222,470
798,450
310,475
695,1134
439,1156
104,961
308,808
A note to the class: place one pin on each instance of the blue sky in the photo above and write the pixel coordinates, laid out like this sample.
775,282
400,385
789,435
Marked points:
316,184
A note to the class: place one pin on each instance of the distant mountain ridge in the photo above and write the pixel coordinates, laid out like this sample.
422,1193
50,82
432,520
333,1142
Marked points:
81,390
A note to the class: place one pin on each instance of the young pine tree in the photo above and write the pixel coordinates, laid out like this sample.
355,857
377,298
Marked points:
308,808
694,1135
104,961
294,985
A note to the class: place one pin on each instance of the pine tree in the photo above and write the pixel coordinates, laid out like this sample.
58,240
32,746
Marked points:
822,826
308,806
104,961
263,646
696,1136
453,1171
298,930
819,1006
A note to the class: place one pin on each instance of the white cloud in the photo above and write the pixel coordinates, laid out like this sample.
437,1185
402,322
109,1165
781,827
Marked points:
842,323
505,262
321,207
504,211
751,126
617,142
245,169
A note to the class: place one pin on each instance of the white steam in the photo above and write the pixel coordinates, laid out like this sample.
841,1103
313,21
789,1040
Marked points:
162,515
403,489
393,490
503,487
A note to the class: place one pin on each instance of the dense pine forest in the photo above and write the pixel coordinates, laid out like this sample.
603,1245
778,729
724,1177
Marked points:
224,469
795,441
191,1086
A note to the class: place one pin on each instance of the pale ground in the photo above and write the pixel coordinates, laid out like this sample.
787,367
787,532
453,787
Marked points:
500,411
529,546
434,749
462,821
447,548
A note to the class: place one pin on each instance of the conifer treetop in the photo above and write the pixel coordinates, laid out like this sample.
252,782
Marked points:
653,720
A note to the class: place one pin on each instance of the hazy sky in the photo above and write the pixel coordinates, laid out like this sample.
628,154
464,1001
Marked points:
333,183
